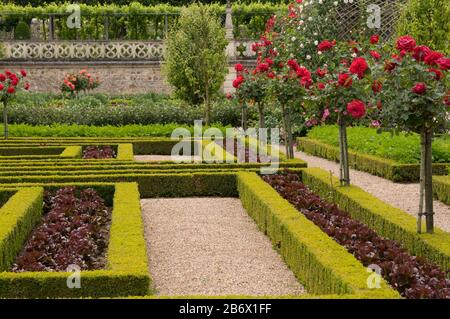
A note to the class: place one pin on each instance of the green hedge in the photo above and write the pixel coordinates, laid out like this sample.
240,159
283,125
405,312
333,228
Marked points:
386,220
321,264
127,270
30,151
375,165
441,188
72,152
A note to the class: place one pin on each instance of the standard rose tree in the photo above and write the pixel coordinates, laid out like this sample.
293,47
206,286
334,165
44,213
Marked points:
9,84
416,99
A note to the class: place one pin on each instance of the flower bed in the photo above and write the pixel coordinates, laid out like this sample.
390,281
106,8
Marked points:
98,152
74,231
412,276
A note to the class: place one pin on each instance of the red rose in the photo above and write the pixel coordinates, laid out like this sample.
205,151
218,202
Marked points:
271,75
420,52
14,81
255,47
325,45
406,43
306,82
447,99
11,90
356,109
432,58
320,86
437,73
374,39
238,81
269,61
2,77
359,67
262,67
377,86
321,73
420,88
1,87
345,80
293,65
239,67
8,73
443,63
27,86
389,66
303,72
23,72
375,55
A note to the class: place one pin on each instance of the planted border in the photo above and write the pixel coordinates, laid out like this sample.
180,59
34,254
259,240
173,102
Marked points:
441,188
127,270
375,165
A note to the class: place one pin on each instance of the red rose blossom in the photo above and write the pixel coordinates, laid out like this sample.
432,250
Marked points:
420,88
437,73
303,72
23,72
11,90
356,108
432,58
406,43
375,55
238,81
262,67
359,67
271,75
321,73
269,61
1,87
443,63
293,65
27,86
420,52
306,82
2,77
239,67
321,86
345,80
374,39
325,45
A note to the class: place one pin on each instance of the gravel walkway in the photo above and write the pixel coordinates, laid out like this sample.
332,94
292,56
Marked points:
210,246
403,196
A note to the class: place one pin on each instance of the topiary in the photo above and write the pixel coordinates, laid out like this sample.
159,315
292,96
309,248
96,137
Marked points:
428,22
22,31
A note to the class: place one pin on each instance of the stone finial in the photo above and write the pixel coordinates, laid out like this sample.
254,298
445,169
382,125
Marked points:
228,21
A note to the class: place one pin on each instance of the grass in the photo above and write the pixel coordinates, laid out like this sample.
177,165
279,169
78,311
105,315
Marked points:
401,148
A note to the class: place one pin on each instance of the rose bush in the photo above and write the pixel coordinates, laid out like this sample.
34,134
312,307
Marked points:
81,82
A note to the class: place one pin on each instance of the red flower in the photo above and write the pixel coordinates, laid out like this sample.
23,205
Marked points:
238,81
271,75
321,73
27,86
8,73
443,63
389,66
325,45
306,82
303,72
293,65
11,90
229,96
420,52
1,87
406,43
432,58
356,108
379,105
2,77
269,61
374,39
23,72
321,86
255,47
437,73
359,66
239,67
447,99
375,55
262,67
14,81
377,86
420,88
345,80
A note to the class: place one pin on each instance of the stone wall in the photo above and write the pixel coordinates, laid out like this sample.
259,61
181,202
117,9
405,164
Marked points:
122,77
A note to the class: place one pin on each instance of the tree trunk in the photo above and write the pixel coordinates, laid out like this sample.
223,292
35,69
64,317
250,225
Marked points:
428,180
262,123
5,120
287,132
244,116
422,181
344,170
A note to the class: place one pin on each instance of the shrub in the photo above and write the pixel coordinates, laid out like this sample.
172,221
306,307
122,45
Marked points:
22,31
81,82
427,22
195,56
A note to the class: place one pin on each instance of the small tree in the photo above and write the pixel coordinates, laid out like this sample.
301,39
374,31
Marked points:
415,99
9,84
196,63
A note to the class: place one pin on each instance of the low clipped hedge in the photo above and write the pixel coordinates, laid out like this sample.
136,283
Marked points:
386,220
375,165
441,188
127,270
321,264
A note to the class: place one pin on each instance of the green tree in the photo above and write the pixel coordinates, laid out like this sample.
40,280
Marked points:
22,31
196,63
428,22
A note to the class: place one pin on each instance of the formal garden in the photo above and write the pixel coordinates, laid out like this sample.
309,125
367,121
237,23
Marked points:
273,149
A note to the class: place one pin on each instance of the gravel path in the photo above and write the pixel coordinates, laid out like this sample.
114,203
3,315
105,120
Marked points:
403,196
210,246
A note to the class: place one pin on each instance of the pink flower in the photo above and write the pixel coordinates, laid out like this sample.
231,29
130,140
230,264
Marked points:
356,108
420,88
359,67
406,43
376,123
325,115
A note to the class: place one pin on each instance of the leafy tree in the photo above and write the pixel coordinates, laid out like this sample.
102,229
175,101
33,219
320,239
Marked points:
196,63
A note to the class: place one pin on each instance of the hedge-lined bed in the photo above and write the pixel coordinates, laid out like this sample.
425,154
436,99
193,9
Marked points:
39,152
441,188
372,164
126,272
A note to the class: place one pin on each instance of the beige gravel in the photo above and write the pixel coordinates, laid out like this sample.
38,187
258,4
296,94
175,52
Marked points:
210,246
403,196
162,158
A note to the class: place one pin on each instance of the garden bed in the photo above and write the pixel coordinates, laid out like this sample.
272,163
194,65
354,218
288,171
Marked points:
39,152
122,273
412,276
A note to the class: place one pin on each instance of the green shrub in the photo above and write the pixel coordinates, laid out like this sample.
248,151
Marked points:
400,148
441,188
22,31
428,22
